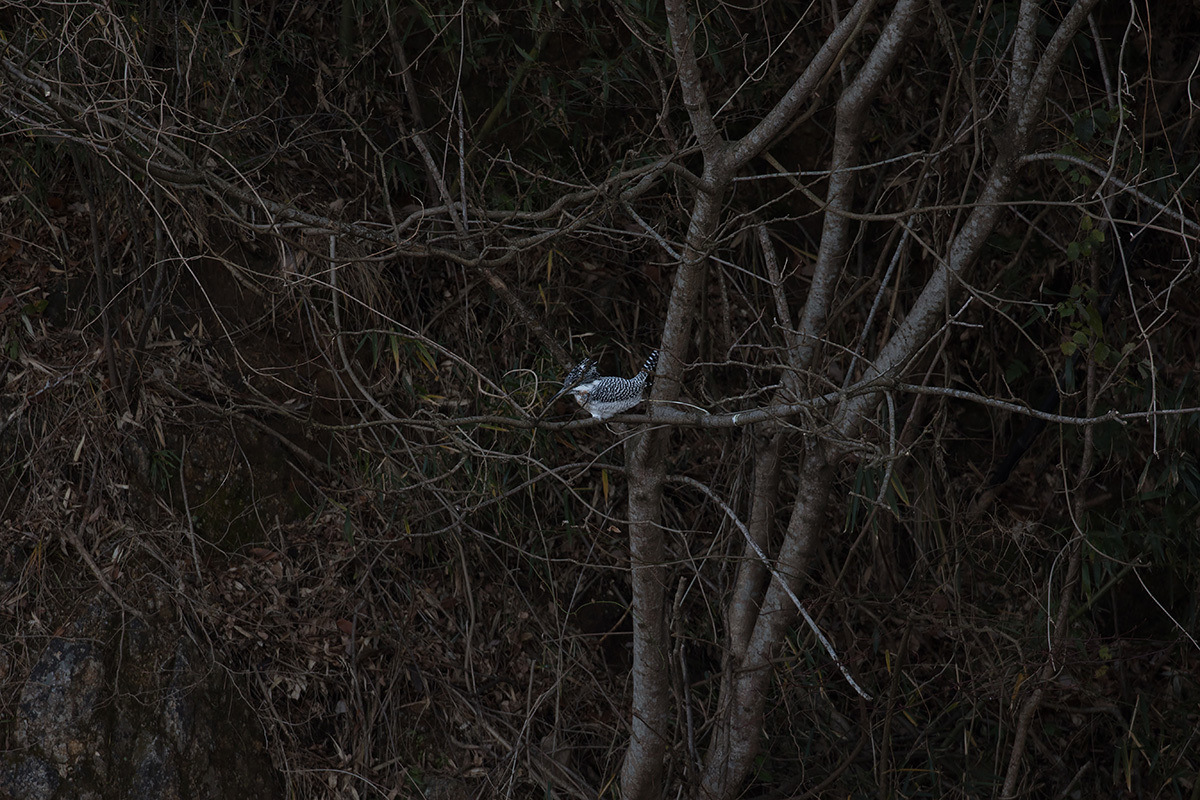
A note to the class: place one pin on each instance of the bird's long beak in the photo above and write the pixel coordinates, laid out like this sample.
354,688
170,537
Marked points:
578,374
566,388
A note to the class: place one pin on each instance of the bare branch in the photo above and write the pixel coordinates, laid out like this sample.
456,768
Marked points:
848,135
970,239
691,83
1124,186
1022,60
766,562
815,74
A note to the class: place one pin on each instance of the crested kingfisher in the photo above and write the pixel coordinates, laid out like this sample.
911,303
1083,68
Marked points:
606,396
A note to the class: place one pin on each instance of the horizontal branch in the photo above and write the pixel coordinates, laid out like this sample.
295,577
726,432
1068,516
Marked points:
660,415
1120,184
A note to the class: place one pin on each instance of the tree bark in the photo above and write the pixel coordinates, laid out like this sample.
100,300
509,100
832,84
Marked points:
736,738
641,773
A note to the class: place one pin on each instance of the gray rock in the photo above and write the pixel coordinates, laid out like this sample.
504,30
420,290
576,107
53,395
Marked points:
121,709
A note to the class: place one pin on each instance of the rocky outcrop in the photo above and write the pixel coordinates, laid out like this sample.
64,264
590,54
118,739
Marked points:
117,707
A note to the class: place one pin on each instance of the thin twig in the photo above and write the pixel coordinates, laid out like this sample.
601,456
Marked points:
741,526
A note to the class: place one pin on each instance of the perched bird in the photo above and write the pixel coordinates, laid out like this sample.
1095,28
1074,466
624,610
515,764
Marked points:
606,396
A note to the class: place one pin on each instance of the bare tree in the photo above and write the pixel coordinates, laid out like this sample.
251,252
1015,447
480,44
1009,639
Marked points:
760,612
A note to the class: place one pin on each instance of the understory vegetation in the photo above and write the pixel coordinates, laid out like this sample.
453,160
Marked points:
285,287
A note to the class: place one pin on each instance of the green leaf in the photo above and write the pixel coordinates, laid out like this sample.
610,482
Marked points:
1015,371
